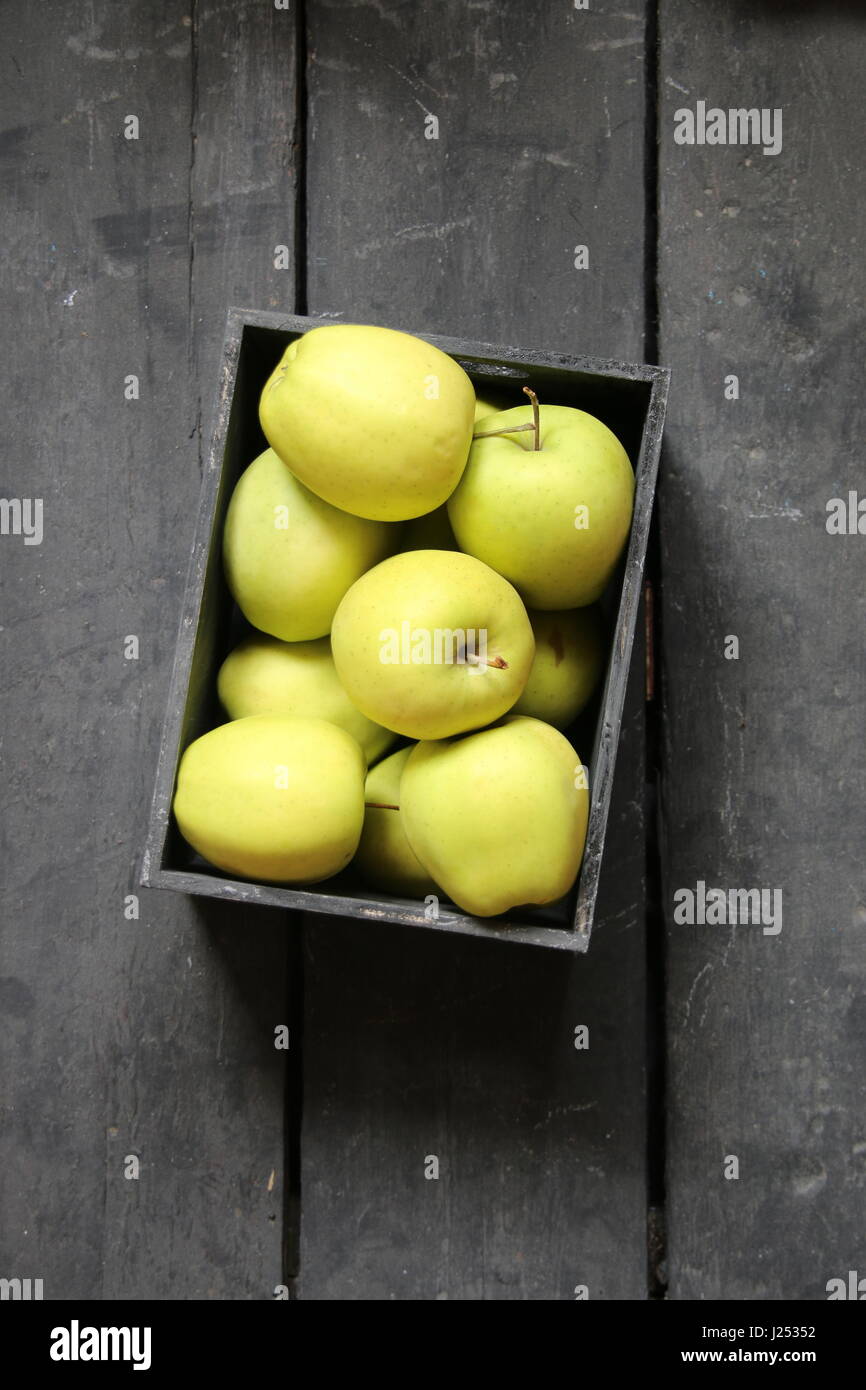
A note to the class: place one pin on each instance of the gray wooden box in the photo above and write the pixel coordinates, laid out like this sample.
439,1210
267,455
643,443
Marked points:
630,399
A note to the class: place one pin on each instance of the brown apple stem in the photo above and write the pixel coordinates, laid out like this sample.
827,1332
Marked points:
536,417
498,662
380,806
515,429
520,429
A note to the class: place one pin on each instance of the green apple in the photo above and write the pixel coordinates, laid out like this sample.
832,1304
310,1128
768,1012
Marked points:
498,818
266,676
432,642
430,532
385,857
290,557
377,422
569,657
554,519
276,798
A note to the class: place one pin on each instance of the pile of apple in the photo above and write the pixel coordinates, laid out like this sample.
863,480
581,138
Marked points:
417,565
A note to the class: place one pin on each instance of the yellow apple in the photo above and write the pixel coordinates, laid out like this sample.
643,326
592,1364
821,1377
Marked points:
432,642
497,818
266,676
276,798
569,658
385,858
376,422
483,408
289,557
553,520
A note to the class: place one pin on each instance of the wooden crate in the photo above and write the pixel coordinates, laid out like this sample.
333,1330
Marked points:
629,398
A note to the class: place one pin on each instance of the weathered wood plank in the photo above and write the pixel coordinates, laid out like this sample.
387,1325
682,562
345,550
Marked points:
416,1046
151,1037
244,174
764,774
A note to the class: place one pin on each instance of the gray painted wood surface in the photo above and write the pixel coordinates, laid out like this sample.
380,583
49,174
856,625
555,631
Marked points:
155,1037
762,276
413,1047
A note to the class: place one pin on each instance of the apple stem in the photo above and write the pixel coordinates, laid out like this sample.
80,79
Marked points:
515,429
498,662
536,417
381,806
520,429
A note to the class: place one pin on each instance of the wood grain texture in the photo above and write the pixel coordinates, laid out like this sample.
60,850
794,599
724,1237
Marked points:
762,276
417,1046
151,1037
244,173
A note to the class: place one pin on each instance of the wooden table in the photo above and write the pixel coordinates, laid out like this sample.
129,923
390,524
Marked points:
436,168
